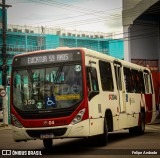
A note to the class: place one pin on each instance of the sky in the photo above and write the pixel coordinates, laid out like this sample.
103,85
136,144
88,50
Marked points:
82,15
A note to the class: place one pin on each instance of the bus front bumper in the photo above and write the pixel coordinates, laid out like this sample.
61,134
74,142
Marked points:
80,129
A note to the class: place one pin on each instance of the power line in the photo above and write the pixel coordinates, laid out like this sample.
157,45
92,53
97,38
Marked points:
89,12
70,17
134,31
82,22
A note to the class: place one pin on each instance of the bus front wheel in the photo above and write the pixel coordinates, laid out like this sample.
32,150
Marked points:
103,138
47,143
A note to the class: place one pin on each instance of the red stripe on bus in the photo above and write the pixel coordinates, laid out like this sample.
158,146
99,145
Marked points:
148,99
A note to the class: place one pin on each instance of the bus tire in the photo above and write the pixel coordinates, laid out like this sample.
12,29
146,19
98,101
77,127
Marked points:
103,138
47,143
141,127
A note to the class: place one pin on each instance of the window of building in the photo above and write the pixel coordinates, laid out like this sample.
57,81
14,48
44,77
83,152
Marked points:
106,76
19,30
26,31
58,32
15,30
9,30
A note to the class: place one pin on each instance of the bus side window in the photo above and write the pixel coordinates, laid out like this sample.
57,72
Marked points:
141,82
136,81
88,79
151,86
92,79
128,80
106,76
148,83
92,82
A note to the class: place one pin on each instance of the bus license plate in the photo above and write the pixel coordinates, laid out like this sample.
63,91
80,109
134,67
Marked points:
46,136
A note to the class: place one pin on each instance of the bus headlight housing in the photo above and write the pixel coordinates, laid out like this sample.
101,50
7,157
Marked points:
15,121
78,117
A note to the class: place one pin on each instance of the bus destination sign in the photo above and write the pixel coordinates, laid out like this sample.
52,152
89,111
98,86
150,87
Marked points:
46,58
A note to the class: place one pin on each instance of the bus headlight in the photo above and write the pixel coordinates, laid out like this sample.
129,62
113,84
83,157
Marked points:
15,121
78,117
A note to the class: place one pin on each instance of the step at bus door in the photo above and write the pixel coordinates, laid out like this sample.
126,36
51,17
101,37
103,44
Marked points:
121,95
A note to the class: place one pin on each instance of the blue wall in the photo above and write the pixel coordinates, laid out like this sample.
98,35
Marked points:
52,41
18,42
116,48
98,44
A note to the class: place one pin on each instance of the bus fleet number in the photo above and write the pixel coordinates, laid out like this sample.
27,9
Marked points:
29,102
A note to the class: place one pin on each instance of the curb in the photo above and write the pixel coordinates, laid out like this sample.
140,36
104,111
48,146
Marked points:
4,126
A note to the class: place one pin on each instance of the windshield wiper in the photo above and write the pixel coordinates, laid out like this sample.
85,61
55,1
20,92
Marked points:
58,74
30,74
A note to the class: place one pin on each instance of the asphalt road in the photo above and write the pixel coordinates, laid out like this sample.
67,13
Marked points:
120,144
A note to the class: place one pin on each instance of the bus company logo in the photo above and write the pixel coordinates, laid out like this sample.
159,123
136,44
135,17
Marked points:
112,97
6,152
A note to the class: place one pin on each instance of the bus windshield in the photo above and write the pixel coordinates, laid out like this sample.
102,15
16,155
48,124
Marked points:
42,88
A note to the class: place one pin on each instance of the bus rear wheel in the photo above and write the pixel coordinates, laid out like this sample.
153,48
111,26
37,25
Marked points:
141,128
47,143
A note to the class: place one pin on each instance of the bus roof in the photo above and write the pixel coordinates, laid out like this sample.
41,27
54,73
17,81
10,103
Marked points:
88,52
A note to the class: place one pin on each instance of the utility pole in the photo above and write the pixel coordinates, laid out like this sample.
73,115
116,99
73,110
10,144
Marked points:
4,60
4,53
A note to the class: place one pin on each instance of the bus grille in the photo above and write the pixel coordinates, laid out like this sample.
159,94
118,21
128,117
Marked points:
37,133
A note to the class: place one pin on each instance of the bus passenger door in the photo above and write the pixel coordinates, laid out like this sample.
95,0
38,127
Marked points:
94,107
121,96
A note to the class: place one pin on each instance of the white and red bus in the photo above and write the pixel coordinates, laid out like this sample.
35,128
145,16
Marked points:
78,93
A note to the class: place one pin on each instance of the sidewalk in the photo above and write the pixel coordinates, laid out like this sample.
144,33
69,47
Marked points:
4,126
157,121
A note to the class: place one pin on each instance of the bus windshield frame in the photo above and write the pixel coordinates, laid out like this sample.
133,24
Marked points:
51,86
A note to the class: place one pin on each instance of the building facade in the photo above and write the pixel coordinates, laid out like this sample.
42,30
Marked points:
20,39
141,26
141,19
27,40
